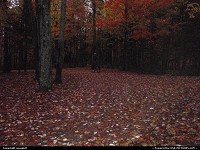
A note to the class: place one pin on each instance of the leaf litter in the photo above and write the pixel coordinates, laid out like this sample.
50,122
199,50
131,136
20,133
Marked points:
110,108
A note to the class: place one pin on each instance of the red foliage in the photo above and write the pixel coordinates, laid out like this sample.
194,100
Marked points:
108,24
139,13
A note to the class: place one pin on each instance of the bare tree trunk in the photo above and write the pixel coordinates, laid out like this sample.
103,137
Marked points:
25,18
25,46
60,50
125,61
94,26
34,23
45,50
7,54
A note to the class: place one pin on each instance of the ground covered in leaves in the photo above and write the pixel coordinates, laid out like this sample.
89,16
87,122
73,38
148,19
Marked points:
94,109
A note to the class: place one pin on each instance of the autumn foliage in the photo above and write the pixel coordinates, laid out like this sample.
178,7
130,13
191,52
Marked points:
146,89
139,14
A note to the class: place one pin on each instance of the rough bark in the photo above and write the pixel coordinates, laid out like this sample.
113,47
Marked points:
45,83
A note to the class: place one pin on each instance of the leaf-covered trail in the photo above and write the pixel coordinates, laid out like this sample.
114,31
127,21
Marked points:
107,108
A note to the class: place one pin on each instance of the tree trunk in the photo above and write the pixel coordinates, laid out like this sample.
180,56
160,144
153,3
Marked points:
36,52
94,26
165,55
125,61
45,83
60,50
7,55
36,39
26,23
25,46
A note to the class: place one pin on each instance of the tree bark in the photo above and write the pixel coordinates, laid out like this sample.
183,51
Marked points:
60,50
45,83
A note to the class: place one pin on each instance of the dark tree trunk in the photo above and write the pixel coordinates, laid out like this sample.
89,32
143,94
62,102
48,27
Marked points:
36,39
165,55
94,26
7,54
14,51
25,47
60,50
45,83
26,23
20,52
125,57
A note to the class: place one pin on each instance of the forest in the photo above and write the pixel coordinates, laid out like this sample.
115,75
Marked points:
149,36
148,56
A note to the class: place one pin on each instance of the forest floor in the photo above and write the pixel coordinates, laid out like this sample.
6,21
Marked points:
111,108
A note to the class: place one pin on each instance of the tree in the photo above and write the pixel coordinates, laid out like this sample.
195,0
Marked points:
132,21
94,25
8,15
7,52
26,27
60,51
35,26
45,83
77,27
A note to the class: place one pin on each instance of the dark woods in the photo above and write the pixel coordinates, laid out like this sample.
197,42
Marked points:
26,41
95,64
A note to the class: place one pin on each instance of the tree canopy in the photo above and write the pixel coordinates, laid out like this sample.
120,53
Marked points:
156,36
